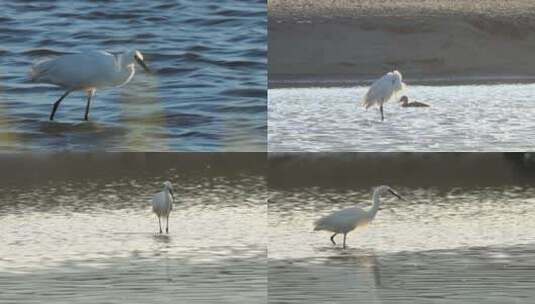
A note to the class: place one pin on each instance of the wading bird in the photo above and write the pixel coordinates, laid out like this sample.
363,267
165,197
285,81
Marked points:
87,71
382,90
162,204
346,220
404,100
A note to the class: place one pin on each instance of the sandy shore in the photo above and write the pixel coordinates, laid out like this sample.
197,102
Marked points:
344,41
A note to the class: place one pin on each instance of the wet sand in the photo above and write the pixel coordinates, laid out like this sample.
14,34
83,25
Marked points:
326,42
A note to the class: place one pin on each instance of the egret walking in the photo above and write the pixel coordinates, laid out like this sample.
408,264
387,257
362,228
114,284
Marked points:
162,204
346,220
404,100
87,71
383,89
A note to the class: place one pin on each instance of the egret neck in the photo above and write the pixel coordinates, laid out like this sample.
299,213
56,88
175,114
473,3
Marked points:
125,70
375,206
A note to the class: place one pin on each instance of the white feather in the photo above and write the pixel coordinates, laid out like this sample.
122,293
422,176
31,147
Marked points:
383,89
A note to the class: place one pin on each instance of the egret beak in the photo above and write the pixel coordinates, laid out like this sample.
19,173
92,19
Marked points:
397,195
142,64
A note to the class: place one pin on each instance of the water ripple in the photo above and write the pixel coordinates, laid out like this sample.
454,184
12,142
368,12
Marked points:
198,55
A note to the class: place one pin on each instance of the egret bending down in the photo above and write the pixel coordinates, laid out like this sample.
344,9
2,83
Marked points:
87,71
346,220
383,89
162,204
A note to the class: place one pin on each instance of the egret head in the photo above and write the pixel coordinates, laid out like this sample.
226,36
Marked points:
398,81
386,189
169,187
133,56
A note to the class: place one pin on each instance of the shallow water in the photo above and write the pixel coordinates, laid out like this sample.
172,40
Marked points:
441,246
461,118
95,240
207,92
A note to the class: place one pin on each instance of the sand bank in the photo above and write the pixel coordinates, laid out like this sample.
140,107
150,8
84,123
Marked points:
342,41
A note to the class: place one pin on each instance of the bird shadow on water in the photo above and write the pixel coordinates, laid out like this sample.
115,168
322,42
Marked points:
162,238
364,259
60,128
81,134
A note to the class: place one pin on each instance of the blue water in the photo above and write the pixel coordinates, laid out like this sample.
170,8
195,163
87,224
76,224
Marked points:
207,92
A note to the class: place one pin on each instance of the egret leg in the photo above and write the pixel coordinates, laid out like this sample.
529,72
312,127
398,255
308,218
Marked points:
332,238
382,116
344,246
160,224
56,104
167,224
90,94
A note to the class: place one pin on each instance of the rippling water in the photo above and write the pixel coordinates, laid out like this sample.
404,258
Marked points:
81,240
449,246
461,118
207,92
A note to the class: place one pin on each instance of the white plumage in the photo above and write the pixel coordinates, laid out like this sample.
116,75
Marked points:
383,89
162,204
87,71
346,220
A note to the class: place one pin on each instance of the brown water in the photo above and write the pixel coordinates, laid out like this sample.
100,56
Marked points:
88,236
445,244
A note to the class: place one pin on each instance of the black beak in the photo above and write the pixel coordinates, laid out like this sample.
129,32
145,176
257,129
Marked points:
171,192
142,64
396,195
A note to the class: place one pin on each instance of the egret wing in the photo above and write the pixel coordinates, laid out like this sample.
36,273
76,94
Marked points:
342,220
380,91
77,71
158,202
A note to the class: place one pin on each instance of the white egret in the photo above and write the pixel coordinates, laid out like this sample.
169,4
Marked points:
162,204
87,71
383,89
404,100
346,220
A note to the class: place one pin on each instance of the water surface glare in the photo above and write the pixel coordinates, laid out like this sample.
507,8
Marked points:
455,246
461,118
207,91
97,241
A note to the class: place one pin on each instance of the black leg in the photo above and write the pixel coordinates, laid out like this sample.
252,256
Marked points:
160,224
56,105
345,234
332,238
382,116
167,224
89,95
